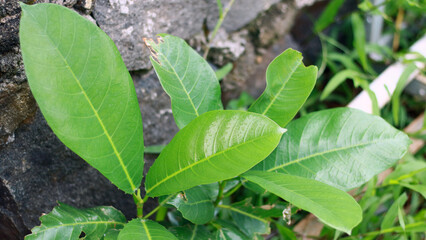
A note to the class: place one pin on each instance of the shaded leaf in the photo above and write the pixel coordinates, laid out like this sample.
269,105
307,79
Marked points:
84,91
216,146
338,79
331,205
416,187
402,81
195,205
359,39
186,77
144,229
392,213
222,72
66,222
229,232
341,147
288,85
328,15
193,232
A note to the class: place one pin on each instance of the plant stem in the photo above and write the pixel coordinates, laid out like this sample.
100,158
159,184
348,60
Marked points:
233,190
398,23
159,206
139,203
222,16
220,194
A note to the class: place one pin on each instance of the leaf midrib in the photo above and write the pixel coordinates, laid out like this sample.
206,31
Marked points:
146,229
202,161
79,223
132,185
282,88
181,83
320,154
243,213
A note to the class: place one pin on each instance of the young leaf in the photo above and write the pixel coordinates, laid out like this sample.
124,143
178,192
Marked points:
144,229
341,147
66,222
247,219
216,146
222,72
84,91
402,81
338,79
331,205
193,232
195,205
328,15
186,77
289,84
392,213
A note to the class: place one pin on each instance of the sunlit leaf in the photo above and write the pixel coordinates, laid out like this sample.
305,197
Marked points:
144,229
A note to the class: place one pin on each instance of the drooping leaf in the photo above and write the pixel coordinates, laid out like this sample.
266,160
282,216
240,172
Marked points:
229,231
144,229
341,147
247,219
328,15
66,222
338,79
193,232
186,77
420,188
289,84
195,205
392,213
216,146
84,91
331,205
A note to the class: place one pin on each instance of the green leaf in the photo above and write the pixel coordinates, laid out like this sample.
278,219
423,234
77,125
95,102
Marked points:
331,205
66,222
186,77
328,15
111,234
216,146
341,147
247,219
84,91
222,72
154,149
418,188
392,213
402,81
338,79
228,231
285,232
359,39
193,232
195,205
144,229
289,84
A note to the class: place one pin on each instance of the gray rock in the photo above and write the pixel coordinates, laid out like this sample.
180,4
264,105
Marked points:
127,22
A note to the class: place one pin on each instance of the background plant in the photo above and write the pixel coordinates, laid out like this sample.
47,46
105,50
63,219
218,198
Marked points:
85,93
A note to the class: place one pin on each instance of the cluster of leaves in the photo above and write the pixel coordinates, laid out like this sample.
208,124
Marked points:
86,94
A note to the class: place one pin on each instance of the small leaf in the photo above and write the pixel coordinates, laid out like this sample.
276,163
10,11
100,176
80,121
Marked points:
193,232
338,79
84,91
195,205
331,205
418,188
289,84
341,147
391,214
359,39
186,77
66,222
216,146
222,72
154,149
328,15
144,229
402,81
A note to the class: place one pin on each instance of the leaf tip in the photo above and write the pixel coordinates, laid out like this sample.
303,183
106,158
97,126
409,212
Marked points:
282,130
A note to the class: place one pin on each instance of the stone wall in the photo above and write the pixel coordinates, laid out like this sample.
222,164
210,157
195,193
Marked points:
36,169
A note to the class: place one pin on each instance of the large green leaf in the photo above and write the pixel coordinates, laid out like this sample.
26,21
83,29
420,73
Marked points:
217,145
195,205
193,232
143,229
66,222
331,205
186,77
84,91
341,147
289,84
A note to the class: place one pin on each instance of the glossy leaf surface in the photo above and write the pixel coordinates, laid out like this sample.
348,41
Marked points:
341,147
66,222
195,205
84,91
331,205
142,229
288,85
216,146
186,77
193,232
